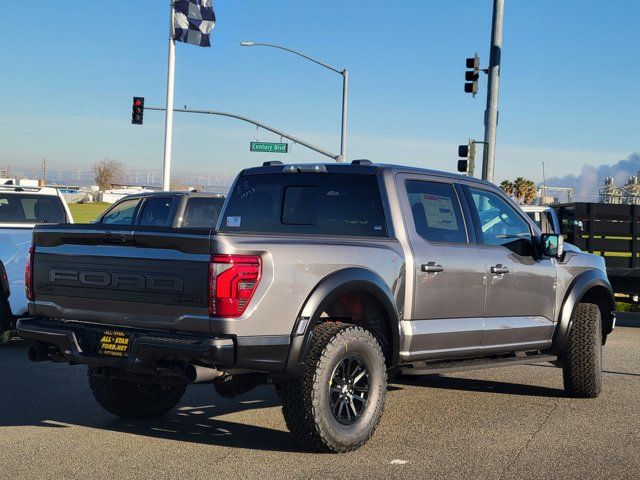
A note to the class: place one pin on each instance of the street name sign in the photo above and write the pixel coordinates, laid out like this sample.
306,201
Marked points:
269,147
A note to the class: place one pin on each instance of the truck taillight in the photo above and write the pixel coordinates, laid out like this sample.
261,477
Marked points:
233,279
28,274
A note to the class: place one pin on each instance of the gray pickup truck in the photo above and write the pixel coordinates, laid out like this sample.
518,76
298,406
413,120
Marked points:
322,280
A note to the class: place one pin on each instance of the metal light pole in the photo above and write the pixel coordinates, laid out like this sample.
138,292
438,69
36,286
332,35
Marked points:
168,121
345,90
491,113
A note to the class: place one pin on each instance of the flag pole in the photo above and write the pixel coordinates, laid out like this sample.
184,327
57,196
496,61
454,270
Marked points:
168,122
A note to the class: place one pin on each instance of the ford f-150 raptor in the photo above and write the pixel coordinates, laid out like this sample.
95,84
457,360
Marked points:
323,280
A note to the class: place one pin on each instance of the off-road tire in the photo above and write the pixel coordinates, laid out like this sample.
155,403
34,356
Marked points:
582,357
131,400
5,337
307,401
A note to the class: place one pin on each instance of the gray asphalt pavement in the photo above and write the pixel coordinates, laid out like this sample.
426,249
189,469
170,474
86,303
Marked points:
495,424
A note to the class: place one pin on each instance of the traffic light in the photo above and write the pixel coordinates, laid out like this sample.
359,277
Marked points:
138,110
472,74
467,163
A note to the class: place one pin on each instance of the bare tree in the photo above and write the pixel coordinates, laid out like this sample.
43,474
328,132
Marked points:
107,172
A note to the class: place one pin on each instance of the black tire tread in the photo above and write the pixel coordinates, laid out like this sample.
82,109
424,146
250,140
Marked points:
582,359
300,403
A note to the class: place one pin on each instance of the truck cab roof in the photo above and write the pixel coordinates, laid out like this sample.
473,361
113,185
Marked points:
361,167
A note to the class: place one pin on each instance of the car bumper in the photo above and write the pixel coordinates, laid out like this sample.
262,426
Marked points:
148,350
151,350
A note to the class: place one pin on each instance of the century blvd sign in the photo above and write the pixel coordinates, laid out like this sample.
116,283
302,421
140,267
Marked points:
269,147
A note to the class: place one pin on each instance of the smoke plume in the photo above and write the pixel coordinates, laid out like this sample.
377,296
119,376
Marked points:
591,178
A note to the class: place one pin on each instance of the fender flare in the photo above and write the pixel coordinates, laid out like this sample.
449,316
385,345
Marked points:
576,291
325,292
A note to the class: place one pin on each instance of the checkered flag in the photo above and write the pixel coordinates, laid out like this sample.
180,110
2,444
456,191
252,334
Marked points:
193,21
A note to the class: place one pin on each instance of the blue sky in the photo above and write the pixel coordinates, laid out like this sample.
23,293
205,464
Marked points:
569,87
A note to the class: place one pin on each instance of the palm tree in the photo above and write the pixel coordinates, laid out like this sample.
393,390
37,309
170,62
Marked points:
530,192
519,189
507,187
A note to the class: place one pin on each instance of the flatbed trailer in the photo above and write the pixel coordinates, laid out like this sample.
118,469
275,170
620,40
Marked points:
609,230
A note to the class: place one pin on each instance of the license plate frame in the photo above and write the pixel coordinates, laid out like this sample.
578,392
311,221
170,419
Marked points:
114,343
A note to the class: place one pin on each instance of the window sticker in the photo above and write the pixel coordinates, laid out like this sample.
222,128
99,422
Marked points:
439,212
234,221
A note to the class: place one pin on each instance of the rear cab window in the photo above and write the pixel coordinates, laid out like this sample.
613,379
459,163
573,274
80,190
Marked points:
311,203
25,208
202,212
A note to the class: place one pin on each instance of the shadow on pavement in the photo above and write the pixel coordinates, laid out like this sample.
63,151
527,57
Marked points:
629,374
475,385
58,396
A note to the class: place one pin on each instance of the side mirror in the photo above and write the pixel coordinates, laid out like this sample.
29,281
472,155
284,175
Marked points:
552,245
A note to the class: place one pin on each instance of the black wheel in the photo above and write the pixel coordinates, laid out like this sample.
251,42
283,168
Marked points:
582,358
5,337
135,401
337,404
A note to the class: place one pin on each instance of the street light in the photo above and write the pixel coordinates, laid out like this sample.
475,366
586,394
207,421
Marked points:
345,89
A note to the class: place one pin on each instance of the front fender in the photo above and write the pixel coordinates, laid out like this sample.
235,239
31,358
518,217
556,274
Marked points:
328,290
594,286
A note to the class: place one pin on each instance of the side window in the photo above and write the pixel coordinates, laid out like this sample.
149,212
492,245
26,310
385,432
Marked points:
202,212
122,213
500,223
156,212
436,211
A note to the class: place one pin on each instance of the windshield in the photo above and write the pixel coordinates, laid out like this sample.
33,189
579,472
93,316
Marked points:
26,208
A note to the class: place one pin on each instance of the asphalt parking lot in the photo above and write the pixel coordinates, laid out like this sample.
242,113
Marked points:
502,423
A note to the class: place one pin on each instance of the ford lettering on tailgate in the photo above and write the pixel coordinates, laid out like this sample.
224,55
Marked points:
119,280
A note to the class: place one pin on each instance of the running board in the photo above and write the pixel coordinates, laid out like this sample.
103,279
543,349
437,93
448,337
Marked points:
426,368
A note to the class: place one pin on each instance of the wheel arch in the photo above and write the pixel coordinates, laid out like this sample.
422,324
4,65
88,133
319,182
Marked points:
591,286
331,289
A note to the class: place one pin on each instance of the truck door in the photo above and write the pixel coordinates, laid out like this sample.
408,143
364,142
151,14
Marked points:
447,269
521,289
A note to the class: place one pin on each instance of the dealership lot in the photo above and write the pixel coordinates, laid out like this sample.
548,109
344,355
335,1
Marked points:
502,423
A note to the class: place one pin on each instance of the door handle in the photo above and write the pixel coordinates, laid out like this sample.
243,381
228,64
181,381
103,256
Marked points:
432,267
499,269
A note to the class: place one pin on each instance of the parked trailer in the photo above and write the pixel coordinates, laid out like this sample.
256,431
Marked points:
608,230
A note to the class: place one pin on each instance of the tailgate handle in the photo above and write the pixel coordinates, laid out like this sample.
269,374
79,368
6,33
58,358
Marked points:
118,237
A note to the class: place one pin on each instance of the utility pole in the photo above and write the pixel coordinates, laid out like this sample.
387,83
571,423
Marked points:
491,113
44,170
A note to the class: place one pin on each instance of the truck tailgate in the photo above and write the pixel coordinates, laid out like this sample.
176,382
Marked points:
151,278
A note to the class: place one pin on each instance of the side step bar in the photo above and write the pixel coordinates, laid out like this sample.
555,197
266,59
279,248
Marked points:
426,368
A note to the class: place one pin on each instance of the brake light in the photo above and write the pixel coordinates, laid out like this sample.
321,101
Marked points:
28,275
233,279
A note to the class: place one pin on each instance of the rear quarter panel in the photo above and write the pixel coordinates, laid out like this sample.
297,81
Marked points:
293,266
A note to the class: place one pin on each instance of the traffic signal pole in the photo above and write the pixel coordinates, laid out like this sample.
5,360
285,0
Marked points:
491,113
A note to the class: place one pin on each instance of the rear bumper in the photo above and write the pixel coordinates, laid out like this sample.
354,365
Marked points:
152,351
148,352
